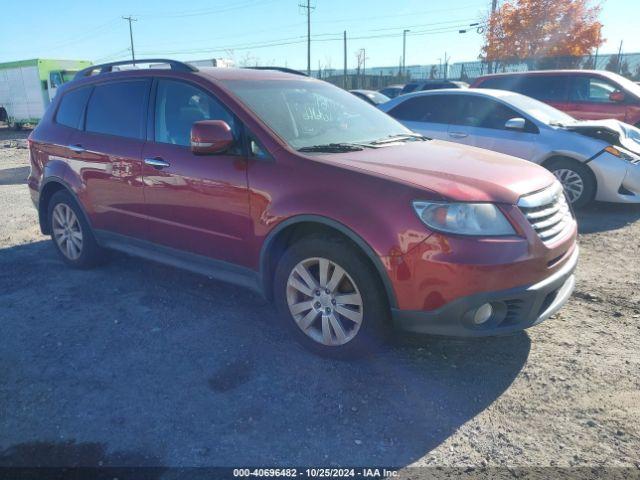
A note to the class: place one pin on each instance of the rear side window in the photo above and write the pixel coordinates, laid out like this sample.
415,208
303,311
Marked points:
544,87
72,107
119,108
428,108
499,83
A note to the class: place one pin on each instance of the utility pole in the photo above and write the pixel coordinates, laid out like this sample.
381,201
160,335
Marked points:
308,7
345,59
133,53
404,51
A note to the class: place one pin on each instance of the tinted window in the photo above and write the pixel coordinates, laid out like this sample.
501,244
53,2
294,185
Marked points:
428,108
592,89
72,106
178,106
118,108
409,87
543,87
498,83
482,112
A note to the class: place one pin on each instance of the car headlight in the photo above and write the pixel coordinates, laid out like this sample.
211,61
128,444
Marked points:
623,154
480,219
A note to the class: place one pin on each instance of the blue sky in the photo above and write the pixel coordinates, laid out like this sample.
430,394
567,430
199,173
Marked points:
269,32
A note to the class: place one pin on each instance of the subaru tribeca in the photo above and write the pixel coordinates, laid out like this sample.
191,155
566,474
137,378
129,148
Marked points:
298,190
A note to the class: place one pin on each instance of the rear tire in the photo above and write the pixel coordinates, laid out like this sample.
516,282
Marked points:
342,319
71,234
577,180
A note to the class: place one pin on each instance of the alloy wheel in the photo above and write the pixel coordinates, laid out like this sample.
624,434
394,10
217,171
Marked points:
571,182
67,231
324,301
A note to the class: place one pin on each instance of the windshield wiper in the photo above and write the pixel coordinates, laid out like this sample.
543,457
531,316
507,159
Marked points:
401,137
333,148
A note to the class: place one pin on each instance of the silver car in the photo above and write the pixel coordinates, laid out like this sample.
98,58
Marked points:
593,159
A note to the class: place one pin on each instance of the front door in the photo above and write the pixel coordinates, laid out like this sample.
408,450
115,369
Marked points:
195,203
480,122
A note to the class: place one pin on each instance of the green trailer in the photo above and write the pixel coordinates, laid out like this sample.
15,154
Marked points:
28,86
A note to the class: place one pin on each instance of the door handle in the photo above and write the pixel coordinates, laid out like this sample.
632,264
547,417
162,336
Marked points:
77,148
156,163
457,135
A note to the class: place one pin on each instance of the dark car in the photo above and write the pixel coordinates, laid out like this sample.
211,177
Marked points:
391,91
371,96
432,85
583,94
296,189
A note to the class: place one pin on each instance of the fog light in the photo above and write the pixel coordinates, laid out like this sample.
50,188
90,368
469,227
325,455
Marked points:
483,314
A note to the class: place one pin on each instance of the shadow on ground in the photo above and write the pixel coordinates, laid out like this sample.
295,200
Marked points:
184,371
601,217
14,176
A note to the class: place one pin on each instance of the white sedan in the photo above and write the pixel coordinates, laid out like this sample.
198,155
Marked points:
593,159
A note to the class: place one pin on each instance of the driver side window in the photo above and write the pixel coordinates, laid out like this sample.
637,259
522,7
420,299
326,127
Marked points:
592,89
178,106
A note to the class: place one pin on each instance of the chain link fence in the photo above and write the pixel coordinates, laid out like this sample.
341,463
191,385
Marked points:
626,64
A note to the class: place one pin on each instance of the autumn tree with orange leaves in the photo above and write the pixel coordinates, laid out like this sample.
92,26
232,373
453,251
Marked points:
531,31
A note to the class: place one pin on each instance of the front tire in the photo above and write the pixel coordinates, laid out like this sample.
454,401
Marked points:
331,298
576,179
71,233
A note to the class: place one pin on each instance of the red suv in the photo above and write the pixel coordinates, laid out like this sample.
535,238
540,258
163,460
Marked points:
584,94
299,190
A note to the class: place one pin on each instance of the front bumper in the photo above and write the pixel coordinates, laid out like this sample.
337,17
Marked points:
514,309
618,180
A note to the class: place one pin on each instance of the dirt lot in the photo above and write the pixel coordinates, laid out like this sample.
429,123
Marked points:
139,364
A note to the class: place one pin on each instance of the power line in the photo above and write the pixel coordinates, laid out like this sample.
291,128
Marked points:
300,39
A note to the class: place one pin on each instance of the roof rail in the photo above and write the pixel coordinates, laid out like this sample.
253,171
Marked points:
280,69
108,67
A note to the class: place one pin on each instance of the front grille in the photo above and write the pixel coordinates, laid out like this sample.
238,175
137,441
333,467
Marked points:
548,212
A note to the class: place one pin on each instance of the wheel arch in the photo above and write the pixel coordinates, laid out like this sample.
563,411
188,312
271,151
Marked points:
297,227
49,187
584,163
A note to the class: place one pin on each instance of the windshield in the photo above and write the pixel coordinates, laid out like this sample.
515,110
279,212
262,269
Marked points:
305,113
538,110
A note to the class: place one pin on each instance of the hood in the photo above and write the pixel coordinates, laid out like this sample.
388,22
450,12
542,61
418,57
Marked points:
454,171
612,132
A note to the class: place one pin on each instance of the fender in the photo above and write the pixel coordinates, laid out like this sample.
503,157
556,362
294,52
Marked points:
359,241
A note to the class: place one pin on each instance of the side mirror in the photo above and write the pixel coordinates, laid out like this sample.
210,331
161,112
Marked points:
211,136
515,124
616,96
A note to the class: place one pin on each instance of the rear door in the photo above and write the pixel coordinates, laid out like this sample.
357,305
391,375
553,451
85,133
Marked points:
425,114
589,95
196,203
108,155
480,122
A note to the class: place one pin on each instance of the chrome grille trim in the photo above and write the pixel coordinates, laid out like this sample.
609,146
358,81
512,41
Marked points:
548,212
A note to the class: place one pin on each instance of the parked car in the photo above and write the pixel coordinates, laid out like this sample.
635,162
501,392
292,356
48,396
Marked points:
432,85
583,94
391,91
298,190
596,159
371,96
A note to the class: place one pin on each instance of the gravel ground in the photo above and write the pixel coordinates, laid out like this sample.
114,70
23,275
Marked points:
139,364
